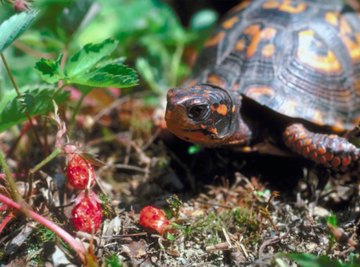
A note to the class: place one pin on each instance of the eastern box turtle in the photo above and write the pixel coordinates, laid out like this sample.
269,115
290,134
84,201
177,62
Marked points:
281,72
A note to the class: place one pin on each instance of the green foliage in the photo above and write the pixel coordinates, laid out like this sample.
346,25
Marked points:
36,101
16,25
88,56
81,68
194,149
113,261
332,220
50,70
309,260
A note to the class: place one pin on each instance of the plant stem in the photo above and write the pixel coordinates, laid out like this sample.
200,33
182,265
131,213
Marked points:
73,243
45,161
9,178
27,114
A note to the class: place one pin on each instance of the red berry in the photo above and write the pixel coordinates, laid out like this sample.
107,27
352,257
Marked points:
78,172
86,214
154,218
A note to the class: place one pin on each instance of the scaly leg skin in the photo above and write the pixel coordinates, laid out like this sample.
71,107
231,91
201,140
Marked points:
331,151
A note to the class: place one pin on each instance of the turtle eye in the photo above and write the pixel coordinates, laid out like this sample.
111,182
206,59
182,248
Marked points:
198,112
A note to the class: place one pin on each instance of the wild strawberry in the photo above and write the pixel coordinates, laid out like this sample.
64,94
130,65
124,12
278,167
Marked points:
154,218
79,171
87,214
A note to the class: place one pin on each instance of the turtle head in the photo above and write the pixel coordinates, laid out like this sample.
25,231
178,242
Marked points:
205,114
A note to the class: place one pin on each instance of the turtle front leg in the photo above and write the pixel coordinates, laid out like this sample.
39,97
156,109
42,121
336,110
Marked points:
331,151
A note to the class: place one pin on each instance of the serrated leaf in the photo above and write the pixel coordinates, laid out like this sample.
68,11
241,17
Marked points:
88,56
12,28
50,70
111,75
35,101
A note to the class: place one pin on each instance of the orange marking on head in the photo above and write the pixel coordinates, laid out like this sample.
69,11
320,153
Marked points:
240,45
305,54
268,50
215,39
216,80
229,23
332,18
233,109
239,7
222,109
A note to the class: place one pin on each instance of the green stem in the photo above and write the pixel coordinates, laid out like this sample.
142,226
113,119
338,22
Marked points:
9,178
27,114
45,161
75,112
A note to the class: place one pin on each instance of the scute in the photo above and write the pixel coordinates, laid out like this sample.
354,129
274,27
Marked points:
299,58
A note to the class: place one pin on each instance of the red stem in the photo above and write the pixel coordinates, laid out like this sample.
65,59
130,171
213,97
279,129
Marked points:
77,246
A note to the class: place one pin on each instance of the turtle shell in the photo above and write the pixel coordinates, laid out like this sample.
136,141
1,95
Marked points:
298,58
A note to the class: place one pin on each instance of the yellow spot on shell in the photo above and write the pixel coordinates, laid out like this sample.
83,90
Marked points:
215,39
239,7
327,63
240,45
285,6
228,24
268,50
318,117
257,92
332,18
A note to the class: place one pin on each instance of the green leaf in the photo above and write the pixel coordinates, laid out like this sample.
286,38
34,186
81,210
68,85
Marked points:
332,220
203,20
112,75
194,149
88,56
36,102
309,260
50,70
12,28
